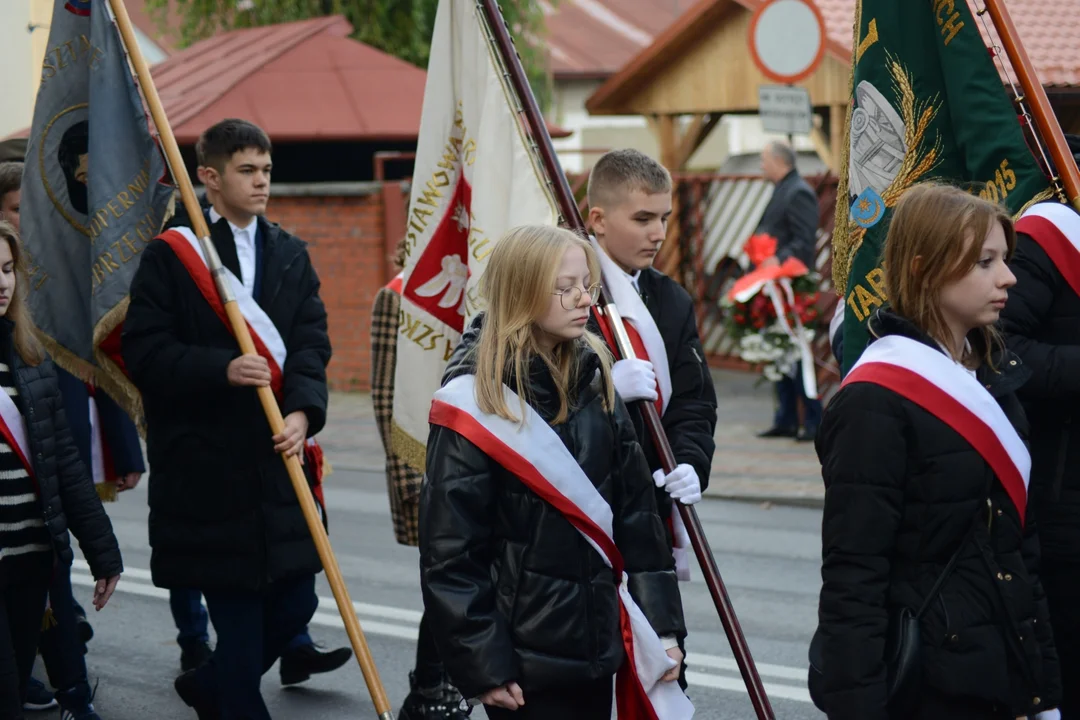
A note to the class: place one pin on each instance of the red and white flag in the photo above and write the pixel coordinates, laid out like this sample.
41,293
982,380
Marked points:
475,178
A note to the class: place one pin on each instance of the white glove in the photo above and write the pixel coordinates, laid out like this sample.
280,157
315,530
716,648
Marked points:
1054,714
634,380
682,484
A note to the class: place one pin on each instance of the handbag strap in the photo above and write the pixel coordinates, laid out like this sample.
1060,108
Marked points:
949,567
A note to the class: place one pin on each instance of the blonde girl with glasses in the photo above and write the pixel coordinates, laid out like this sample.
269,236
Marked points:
539,532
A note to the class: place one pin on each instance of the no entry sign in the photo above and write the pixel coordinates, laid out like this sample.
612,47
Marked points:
787,39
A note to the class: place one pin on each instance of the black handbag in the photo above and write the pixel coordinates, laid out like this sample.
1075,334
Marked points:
903,650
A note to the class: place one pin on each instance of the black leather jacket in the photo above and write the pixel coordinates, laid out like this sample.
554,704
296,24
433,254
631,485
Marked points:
513,591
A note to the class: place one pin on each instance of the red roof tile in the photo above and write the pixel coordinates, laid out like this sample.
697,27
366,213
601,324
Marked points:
299,81
1049,30
594,38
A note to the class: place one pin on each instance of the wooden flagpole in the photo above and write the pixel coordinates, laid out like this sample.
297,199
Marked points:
572,216
1035,95
247,346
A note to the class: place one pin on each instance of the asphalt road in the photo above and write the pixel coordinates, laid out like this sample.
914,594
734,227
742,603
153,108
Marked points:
769,558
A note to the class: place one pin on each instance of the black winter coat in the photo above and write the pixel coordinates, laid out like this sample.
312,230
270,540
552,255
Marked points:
65,490
690,420
792,217
902,492
1042,324
513,592
223,513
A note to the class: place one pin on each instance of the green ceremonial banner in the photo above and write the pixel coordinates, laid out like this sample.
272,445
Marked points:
928,103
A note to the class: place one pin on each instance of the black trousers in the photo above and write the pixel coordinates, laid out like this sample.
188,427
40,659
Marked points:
1061,582
253,628
61,649
429,669
22,606
589,701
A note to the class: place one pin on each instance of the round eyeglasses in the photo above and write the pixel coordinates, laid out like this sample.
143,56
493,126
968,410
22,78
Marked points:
571,296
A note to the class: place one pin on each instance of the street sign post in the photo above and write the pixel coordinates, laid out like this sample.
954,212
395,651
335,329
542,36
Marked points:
785,109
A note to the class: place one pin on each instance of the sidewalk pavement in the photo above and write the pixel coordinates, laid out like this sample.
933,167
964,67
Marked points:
777,471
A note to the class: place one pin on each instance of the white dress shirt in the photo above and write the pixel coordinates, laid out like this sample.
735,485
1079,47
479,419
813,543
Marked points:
245,248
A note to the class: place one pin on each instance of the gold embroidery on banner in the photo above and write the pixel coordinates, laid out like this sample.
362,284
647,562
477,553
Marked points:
918,161
840,239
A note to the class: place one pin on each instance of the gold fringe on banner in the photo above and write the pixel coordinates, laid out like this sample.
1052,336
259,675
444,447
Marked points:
108,375
841,238
411,451
106,491
1044,195
48,620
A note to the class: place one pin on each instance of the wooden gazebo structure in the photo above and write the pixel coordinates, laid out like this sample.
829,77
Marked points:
700,68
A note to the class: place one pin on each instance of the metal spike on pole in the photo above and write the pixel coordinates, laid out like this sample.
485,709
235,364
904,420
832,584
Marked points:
247,346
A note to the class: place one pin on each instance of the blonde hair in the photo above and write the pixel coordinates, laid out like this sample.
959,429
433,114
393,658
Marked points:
517,286
24,336
944,227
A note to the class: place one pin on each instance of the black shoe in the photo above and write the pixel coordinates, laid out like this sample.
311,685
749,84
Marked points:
807,435
779,432
188,691
84,629
299,664
439,702
194,656
38,696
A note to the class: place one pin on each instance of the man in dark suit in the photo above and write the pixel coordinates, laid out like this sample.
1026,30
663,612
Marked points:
792,218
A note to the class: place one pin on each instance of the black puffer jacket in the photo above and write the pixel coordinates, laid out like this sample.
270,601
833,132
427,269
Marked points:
67,494
1042,323
513,591
902,492
223,512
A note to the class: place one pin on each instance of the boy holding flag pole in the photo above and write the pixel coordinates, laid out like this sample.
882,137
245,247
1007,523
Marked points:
282,356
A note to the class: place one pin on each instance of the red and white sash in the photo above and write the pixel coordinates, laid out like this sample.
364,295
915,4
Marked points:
268,341
13,430
648,343
1056,228
536,455
931,380
644,335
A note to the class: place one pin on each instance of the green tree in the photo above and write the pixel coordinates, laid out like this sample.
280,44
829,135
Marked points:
399,27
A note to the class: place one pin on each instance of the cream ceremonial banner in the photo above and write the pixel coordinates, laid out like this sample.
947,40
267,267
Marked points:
474,179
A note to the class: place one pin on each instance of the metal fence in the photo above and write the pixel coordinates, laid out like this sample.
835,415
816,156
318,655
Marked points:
715,214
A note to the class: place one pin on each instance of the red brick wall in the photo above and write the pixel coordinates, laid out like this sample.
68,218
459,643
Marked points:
345,238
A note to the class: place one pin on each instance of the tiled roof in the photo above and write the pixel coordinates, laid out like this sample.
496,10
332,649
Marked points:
1049,31
594,38
298,81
